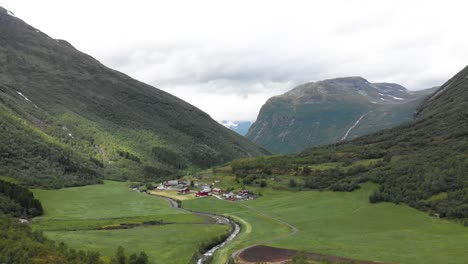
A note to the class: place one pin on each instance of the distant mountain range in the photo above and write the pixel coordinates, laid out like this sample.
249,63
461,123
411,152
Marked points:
329,111
66,119
240,127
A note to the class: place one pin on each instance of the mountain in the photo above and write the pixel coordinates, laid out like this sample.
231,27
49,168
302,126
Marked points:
423,163
67,119
329,111
240,127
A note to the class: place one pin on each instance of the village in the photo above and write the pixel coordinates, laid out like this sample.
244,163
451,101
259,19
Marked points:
193,189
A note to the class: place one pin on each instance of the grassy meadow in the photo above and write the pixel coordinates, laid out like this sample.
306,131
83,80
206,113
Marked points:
163,244
342,224
256,228
73,215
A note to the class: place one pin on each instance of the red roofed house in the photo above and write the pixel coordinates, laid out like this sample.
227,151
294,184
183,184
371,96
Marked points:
202,194
217,191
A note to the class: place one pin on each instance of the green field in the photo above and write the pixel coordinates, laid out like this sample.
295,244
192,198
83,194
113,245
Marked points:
163,244
72,215
344,224
256,228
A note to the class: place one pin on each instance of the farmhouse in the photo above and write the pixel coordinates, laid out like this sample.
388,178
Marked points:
228,196
206,188
202,194
243,195
171,183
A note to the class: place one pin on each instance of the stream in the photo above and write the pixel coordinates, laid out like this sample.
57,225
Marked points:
219,219
210,252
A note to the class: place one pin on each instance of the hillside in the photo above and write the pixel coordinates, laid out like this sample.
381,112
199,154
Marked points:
66,119
329,111
423,163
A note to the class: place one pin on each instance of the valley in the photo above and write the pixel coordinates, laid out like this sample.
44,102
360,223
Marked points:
88,218
97,167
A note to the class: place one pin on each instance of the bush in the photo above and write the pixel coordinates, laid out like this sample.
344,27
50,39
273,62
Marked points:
292,183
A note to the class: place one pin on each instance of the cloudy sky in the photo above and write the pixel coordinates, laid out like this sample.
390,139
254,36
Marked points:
229,57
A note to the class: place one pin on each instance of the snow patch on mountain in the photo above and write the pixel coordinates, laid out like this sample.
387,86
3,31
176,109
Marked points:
229,124
24,97
397,98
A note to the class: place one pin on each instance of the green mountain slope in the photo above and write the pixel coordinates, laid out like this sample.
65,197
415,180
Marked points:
68,119
423,163
328,111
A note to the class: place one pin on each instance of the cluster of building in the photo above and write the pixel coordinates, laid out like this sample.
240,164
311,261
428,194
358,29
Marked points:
242,195
173,185
182,188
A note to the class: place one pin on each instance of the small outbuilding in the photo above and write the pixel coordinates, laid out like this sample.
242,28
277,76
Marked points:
206,189
217,191
184,191
172,182
244,192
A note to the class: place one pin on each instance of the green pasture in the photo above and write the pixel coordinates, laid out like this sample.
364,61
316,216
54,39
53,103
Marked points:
344,224
163,244
73,215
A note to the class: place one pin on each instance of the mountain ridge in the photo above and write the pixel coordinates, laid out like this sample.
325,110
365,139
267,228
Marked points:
132,129
319,113
422,163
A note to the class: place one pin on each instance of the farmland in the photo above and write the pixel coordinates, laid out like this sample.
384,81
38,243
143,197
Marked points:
75,215
342,224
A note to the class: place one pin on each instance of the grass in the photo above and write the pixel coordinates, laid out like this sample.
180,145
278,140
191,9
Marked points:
163,244
174,195
439,196
72,215
256,228
104,200
366,162
325,166
346,225
9,179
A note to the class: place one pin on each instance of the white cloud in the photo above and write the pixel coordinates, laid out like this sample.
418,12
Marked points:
229,57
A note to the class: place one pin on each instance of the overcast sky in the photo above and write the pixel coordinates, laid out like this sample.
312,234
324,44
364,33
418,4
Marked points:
229,57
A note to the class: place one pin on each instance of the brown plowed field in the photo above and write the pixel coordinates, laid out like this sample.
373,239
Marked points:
267,254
